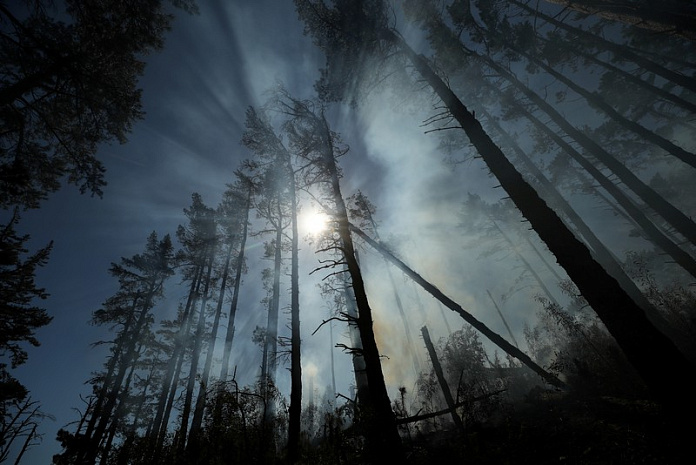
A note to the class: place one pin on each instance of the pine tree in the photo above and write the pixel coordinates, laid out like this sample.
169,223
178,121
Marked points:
20,317
141,283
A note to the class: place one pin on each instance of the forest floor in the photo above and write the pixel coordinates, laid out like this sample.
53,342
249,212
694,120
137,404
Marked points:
564,429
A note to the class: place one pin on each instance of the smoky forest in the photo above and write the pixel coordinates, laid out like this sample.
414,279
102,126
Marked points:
438,231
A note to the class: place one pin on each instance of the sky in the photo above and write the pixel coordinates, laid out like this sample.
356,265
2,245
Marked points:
195,92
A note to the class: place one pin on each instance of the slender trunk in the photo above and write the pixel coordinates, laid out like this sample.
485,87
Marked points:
527,265
665,17
229,337
598,102
653,355
500,314
452,305
270,352
110,371
143,398
657,91
120,413
25,446
397,298
333,362
383,438
358,360
599,251
169,401
201,398
441,378
620,51
295,410
92,449
169,384
195,354
674,216
680,257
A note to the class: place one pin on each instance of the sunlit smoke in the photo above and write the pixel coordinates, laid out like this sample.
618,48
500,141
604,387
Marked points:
314,223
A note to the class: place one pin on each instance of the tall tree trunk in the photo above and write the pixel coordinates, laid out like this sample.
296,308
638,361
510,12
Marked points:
384,443
674,216
595,101
452,305
201,398
680,257
667,17
502,317
657,91
110,371
174,365
92,450
229,337
653,355
270,351
400,307
441,378
295,410
620,51
333,361
195,355
599,251
120,413
358,360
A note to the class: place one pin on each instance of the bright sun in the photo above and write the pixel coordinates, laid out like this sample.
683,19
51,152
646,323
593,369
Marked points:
315,223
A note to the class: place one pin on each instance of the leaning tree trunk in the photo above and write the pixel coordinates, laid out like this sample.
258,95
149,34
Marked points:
166,396
595,101
671,214
111,371
361,384
452,305
195,355
620,51
652,232
229,337
675,217
441,379
653,89
400,307
653,355
599,251
384,443
667,17
92,449
202,391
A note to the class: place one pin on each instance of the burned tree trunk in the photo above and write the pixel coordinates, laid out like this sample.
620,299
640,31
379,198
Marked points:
441,378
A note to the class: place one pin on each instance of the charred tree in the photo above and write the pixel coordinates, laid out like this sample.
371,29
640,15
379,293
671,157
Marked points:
441,378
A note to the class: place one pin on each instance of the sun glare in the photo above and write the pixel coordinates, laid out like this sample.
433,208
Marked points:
315,223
